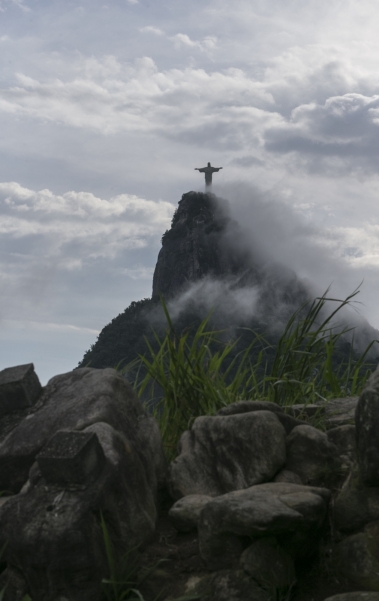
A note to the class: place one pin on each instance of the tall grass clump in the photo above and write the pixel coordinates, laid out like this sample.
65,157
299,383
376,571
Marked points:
194,373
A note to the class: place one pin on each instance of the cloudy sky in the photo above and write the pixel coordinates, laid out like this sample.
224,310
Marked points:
107,107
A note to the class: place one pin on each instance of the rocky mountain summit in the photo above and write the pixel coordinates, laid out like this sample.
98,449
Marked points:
199,245
205,263
259,504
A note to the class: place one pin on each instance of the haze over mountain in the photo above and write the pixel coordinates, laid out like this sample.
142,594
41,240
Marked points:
206,263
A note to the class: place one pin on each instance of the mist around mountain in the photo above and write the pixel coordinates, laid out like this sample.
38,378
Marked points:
206,265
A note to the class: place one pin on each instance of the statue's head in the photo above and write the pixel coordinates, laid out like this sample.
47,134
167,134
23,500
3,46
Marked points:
209,164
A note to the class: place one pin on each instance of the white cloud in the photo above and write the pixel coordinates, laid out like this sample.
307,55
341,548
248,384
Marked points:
142,98
345,127
151,29
303,101
4,4
77,226
182,39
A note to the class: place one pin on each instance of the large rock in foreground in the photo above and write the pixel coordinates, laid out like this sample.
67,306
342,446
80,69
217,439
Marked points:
357,557
105,462
367,432
225,453
311,455
293,514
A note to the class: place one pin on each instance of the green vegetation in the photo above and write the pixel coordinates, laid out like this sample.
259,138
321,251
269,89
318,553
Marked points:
123,572
125,577
194,373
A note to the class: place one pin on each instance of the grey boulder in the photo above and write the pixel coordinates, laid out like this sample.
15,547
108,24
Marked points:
288,421
225,453
367,434
340,412
185,513
311,456
343,437
234,585
291,513
74,401
287,476
356,504
357,557
95,454
268,564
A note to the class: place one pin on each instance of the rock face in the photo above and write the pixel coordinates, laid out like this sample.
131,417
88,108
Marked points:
204,245
234,585
357,504
310,455
19,388
266,562
367,434
81,457
225,453
356,509
197,245
288,421
86,449
185,513
357,557
291,513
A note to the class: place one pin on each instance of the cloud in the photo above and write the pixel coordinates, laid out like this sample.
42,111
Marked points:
276,228
74,258
303,102
247,161
78,227
4,4
142,98
344,126
182,39
151,29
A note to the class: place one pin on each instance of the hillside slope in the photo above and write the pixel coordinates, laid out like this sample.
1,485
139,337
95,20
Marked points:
204,264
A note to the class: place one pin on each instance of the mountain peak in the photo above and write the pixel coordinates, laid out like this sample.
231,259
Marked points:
197,245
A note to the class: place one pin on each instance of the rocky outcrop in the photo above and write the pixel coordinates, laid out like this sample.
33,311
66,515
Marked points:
367,435
225,453
235,489
204,246
356,509
82,462
291,513
185,513
85,454
198,245
311,455
267,563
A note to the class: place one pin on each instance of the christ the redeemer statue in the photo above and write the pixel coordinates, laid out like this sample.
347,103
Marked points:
208,173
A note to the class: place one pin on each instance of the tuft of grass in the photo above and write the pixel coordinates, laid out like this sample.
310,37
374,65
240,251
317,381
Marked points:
123,572
194,373
125,578
279,593
305,367
187,377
